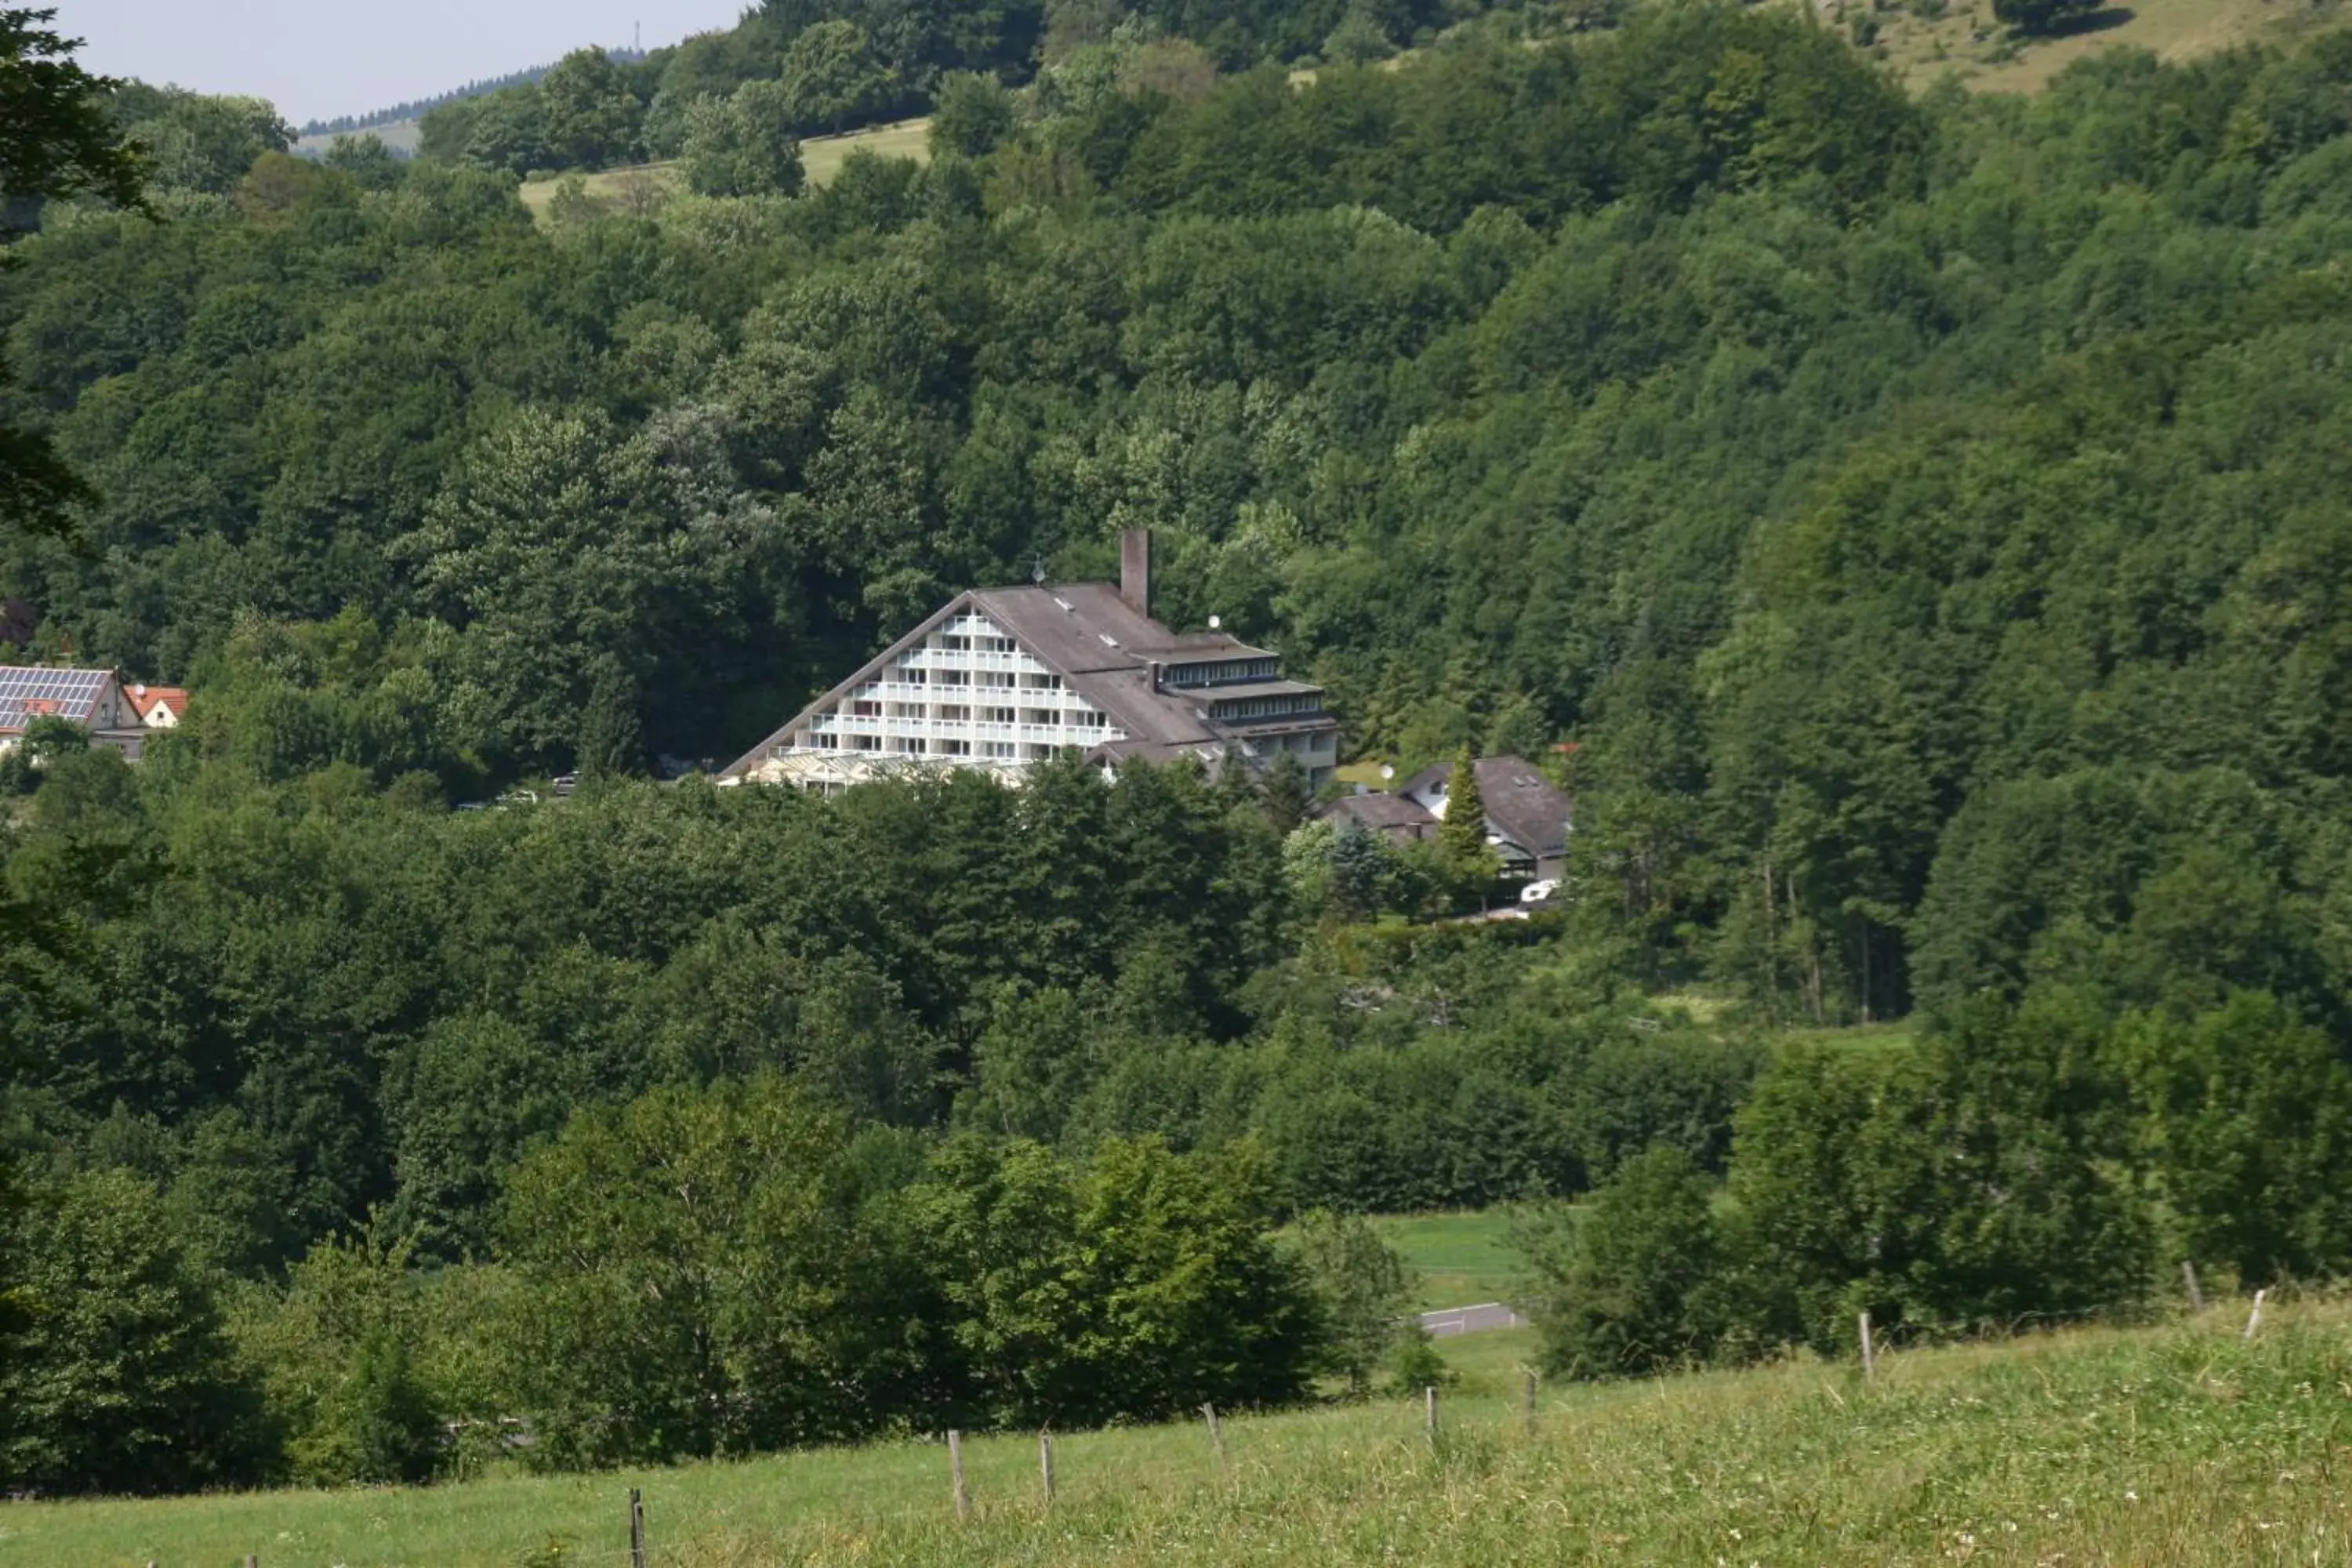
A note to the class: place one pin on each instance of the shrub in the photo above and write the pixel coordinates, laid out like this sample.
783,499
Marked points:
1629,1285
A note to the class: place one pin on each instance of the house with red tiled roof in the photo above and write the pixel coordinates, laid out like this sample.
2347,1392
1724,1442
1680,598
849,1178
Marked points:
158,707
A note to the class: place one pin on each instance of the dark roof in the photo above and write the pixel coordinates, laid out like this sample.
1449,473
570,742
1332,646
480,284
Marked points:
1380,810
1237,690
1066,626
29,691
1106,651
1523,806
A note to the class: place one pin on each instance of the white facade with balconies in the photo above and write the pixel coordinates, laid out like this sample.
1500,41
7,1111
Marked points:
966,693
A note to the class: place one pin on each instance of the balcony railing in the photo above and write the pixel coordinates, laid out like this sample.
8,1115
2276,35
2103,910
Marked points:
975,658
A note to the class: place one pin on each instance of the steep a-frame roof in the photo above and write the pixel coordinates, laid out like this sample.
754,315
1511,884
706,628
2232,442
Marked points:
864,673
1089,636
144,700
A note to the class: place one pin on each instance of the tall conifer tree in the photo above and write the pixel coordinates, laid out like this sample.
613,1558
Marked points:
1462,834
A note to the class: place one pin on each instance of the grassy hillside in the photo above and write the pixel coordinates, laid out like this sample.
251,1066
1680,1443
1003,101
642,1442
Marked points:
1964,40
1462,1258
1924,41
401,135
2178,1444
820,157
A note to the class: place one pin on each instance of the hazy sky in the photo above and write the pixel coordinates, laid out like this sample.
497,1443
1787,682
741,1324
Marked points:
341,57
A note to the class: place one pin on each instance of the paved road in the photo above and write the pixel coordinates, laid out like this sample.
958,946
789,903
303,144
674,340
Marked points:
1474,1320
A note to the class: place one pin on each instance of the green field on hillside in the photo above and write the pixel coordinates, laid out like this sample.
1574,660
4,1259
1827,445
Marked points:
1462,1258
1923,42
820,160
2178,1444
400,135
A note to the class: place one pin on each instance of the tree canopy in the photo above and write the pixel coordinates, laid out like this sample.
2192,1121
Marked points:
57,141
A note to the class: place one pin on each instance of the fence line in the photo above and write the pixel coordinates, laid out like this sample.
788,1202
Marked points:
642,1552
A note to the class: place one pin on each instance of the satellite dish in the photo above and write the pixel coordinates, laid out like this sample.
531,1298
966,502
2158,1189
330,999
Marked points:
1214,623
1388,770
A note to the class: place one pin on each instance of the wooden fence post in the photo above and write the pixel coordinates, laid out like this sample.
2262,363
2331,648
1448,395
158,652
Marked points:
1216,1432
955,1468
1046,1464
1531,1402
252,1559
2196,1295
636,1529
1428,1410
1869,1360
2254,1317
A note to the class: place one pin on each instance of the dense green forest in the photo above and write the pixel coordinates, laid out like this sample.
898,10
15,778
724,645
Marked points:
1927,517
835,65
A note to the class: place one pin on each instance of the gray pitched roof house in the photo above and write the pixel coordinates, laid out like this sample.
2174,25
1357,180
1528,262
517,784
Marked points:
1526,814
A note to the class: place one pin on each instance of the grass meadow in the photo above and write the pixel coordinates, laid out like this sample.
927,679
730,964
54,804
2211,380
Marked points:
2177,1445
1462,1258
1927,39
820,160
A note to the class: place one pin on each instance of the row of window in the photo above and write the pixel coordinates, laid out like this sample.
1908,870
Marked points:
961,642
959,713
1269,707
998,679
1219,672
928,746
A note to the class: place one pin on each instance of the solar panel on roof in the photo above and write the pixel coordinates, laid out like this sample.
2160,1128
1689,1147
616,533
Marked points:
32,691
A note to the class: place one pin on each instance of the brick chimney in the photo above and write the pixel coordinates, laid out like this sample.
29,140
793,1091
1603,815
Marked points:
1135,569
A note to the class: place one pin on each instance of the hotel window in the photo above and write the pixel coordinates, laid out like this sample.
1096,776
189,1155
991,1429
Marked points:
864,742
1036,715
956,643
952,678
1087,719
1036,753
998,645
1004,749
952,713
1000,715
951,748
1000,679
866,709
